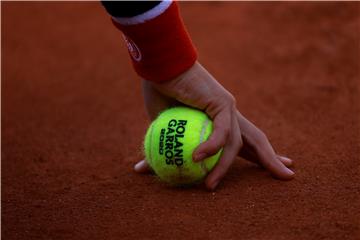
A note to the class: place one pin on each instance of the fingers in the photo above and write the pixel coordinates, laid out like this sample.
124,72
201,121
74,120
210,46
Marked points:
214,178
275,166
248,154
142,167
286,161
270,161
264,151
217,139
227,158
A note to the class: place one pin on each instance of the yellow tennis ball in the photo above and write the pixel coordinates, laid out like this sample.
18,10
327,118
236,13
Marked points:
170,141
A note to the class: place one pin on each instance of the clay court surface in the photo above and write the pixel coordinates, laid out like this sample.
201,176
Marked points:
73,122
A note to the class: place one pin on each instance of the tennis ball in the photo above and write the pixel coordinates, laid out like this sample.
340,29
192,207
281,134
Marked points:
170,141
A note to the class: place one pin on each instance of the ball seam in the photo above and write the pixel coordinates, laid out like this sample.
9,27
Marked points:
202,136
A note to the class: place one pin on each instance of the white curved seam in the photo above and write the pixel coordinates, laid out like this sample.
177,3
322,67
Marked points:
146,16
202,135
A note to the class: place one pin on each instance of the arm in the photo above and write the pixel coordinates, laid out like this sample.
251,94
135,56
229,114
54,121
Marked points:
164,56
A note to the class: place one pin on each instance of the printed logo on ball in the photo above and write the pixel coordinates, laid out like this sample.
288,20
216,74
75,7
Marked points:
171,142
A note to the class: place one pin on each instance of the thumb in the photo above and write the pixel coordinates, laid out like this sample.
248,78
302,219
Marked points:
142,167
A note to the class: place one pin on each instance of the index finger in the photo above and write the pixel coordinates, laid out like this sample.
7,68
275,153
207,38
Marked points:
217,139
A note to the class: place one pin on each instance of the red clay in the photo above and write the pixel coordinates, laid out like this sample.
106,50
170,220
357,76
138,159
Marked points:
70,101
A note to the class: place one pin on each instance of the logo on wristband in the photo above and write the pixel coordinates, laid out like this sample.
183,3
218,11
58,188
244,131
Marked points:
133,49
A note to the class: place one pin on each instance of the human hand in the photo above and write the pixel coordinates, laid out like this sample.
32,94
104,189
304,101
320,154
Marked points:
198,89
257,149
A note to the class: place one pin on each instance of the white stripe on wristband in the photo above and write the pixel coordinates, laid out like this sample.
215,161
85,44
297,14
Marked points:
146,16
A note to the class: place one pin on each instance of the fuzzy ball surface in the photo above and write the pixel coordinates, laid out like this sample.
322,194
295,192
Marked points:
170,141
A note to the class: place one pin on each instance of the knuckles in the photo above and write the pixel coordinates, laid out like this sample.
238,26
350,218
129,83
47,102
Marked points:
232,100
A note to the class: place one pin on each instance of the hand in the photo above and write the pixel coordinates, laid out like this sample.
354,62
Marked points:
257,149
198,89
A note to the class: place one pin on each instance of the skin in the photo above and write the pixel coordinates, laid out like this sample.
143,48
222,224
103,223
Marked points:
232,131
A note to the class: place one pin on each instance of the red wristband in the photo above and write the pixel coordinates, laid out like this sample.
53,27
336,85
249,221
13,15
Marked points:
160,48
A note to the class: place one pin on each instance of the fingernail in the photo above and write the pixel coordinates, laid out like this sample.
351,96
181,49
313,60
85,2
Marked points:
290,172
138,166
287,160
200,156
